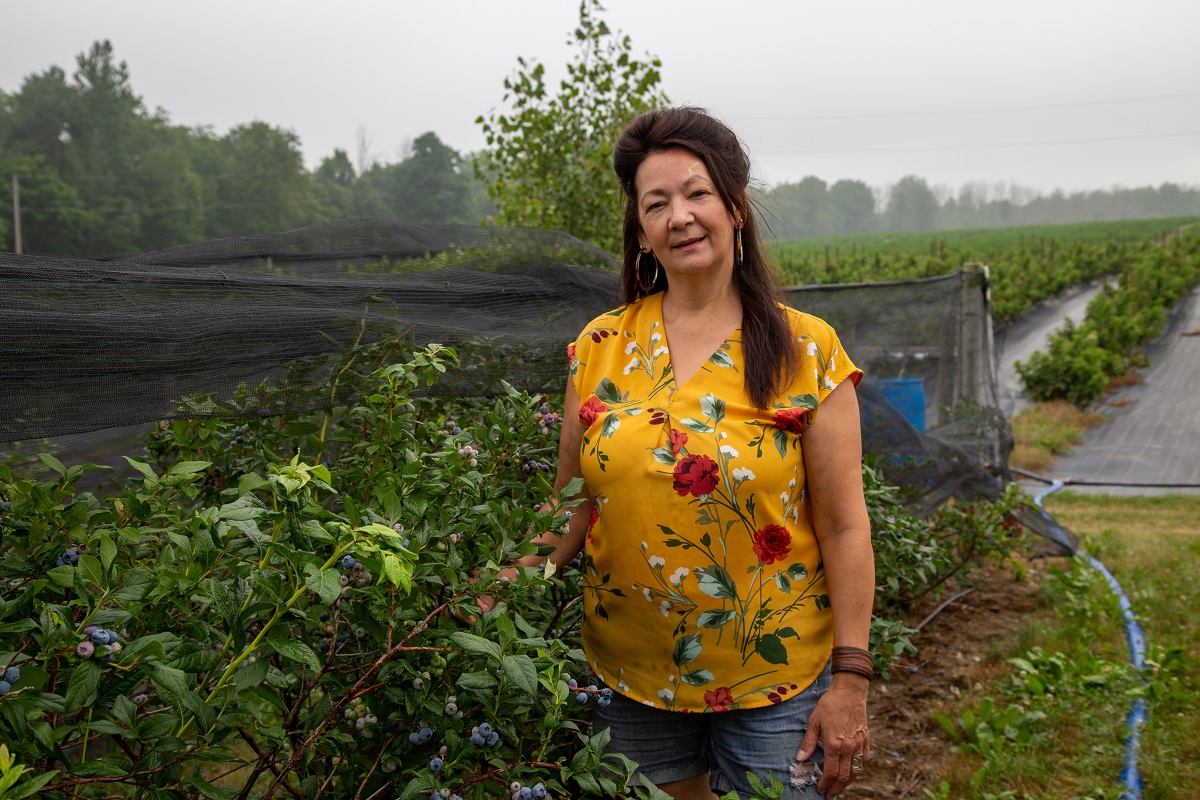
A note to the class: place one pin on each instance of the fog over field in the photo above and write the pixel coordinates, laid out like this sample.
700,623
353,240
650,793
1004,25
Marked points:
1069,94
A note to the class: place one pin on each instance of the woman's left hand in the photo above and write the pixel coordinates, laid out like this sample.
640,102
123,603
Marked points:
839,723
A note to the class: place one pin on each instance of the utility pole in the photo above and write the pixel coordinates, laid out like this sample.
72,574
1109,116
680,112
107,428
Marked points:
17,213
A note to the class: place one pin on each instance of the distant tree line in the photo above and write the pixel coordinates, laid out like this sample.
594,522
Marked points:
102,175
813,208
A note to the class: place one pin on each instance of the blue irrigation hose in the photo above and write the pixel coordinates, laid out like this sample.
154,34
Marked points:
1137,651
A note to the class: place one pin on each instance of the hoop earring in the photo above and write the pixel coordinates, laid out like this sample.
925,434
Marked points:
637,272
738,238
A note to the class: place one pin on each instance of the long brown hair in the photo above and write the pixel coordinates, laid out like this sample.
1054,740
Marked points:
767,340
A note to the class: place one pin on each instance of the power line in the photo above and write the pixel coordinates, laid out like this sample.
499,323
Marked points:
953,112
984,146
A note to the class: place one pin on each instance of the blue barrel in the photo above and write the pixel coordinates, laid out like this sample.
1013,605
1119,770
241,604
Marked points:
907,395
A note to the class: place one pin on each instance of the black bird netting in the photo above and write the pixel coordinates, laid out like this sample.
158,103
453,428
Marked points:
294,322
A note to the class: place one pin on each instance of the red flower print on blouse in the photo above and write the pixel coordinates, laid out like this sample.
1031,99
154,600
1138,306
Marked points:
678,440
590,410
570,354
772,544
792,420
695,475
719,699
592,520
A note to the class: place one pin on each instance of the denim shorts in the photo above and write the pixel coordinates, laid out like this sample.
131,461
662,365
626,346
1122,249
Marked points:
672,746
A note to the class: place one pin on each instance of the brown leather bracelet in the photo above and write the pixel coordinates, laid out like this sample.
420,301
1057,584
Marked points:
855,660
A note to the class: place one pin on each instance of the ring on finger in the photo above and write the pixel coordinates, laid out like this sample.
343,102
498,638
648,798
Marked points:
856,763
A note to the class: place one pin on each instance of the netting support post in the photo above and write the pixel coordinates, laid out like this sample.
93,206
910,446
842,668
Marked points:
977,355
16,214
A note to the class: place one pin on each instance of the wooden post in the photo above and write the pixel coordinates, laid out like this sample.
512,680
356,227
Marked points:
16,214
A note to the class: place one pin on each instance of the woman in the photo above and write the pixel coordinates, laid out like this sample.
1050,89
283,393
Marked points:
727,542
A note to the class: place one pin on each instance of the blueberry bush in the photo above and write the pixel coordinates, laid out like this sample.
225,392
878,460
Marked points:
286,606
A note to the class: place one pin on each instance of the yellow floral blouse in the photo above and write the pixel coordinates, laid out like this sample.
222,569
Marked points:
703,583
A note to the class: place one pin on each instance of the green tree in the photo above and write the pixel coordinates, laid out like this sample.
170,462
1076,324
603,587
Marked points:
803,208
911,206
334,184
853,205
549,157
262,186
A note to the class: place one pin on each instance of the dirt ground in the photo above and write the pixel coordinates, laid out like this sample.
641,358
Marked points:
909,748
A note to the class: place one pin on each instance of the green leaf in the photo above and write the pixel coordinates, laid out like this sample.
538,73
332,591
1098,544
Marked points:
107,767
521,674
697,677
797,572
713,407
144,468
250,675
783,583
184,468
696,426
687,648
397,571
714,618
81,691
481,681
169,681
226,608
296,651
475,644
325,582
108,551
781,442
52,462
608,392
715,582
90,571
771,648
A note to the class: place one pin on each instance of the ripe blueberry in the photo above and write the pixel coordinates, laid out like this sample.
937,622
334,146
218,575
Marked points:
581,698
478,739
426,734
12,675
526,793
348,561
539,792
5,688
415,738
492,739
100,637
436,764
485,728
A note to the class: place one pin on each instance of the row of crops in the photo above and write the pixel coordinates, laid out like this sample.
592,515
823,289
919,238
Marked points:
1027,265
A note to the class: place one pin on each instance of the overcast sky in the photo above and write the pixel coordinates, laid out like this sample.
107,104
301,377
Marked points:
1072,94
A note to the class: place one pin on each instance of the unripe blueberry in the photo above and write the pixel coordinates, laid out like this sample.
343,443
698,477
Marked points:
360,722
343,580
514,787
436,764
444,792
85,649
115,647
398,528
371,719
451,709
12,675
418,683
